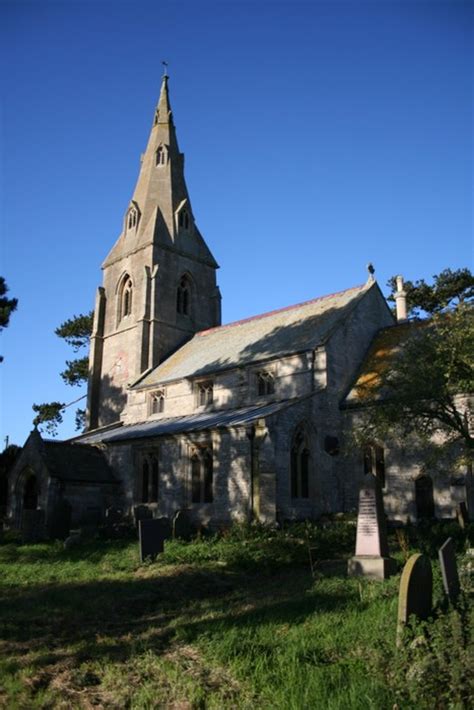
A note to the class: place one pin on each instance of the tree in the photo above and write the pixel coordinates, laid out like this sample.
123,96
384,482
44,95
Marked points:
7,306
76,331
421,378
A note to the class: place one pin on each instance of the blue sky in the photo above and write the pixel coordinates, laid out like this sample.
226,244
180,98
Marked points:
318,136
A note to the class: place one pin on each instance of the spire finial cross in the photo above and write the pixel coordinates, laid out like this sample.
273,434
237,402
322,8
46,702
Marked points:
165,70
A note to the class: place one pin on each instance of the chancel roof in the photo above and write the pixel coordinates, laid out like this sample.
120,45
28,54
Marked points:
270,335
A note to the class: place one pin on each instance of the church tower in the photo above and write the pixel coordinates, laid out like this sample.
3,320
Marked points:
159,280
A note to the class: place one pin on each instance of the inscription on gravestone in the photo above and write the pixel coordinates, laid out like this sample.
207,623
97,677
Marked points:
449,570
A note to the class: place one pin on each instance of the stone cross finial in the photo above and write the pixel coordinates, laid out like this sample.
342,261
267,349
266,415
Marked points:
165,70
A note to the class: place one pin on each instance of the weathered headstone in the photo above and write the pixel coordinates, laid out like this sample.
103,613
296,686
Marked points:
59,520
415,597
182,527
141,512
371,556
449,570
151,540
33,527
165,527
462,515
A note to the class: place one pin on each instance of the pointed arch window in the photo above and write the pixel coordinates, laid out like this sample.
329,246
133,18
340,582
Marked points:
161,155
183,296
374,462
202,476
125,298
149,481
132,219
158,402
183,219
265,383
299,465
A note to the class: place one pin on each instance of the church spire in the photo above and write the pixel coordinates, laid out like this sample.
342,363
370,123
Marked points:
163,112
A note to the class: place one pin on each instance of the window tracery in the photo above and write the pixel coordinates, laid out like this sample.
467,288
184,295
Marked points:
299,465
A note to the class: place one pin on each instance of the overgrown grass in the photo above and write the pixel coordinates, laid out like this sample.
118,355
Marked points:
230,621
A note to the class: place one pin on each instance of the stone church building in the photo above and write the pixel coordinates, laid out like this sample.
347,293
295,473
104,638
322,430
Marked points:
230,422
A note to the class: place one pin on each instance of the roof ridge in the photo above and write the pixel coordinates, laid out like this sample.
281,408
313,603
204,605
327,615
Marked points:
277,310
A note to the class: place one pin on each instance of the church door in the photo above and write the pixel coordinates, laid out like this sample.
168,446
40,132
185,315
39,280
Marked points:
424,498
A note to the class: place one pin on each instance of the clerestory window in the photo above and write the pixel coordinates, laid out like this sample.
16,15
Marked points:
158,402
205,393
299,465
265,383
202,476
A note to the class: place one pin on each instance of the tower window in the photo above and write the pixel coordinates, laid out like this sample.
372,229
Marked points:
158,402
183,297
132,219
202,476
265,383
183,219
299,465
149,478
160,156
125,298
205,393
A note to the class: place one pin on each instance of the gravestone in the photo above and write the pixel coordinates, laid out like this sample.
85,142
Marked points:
113,515
462,515
59,521
371,555
141,512
151,540
33,528
449,570
166,529
415,596
182,527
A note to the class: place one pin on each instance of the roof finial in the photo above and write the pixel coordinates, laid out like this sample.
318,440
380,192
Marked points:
371,270
165,70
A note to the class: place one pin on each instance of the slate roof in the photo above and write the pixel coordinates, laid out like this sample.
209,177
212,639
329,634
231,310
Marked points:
381,352
270,335
192,422
76,462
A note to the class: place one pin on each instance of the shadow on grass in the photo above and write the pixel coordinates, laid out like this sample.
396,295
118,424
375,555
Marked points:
114,619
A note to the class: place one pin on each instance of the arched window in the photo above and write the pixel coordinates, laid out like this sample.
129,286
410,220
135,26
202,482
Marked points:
183,219
202,475
424,498
125,298
149,479
160,156
183,297
158,402
374,462
132,219
299,465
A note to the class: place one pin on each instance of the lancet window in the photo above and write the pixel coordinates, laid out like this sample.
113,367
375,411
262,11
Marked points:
149,487
265,383
183,296
183,219
158,402
374,462
202,476
299,465
125,297
205,393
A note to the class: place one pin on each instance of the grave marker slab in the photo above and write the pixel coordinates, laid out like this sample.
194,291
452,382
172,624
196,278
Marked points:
449,570
141,512
462,515
33,527
415,596
151,540
371,556
182,527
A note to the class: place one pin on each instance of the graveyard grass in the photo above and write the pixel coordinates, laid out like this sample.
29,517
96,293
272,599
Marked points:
235,621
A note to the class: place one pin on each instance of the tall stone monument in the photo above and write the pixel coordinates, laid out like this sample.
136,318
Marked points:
371,556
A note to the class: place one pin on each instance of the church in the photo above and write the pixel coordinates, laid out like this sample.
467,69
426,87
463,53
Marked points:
236,422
